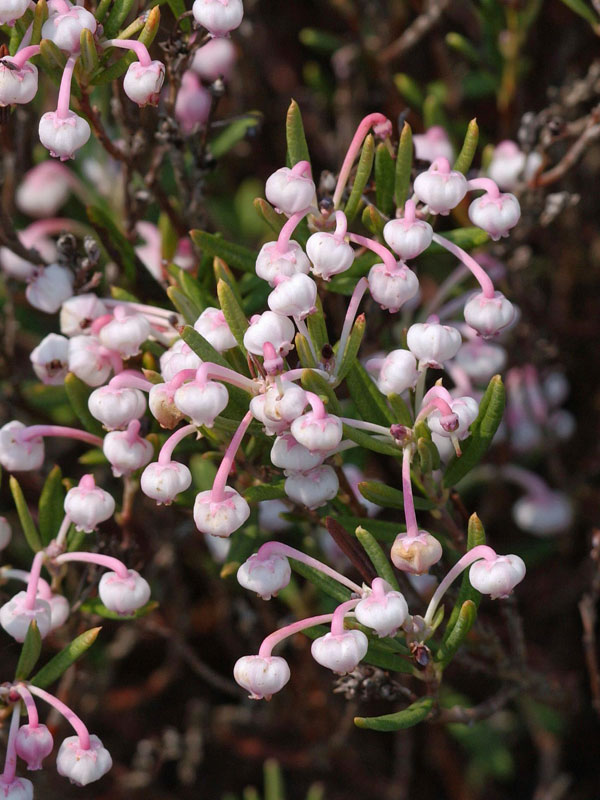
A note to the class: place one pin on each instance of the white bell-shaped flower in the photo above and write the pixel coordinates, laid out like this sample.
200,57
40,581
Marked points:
202,402
50,359
289,192
392,288
272,427
163,482
161,401
340,652
329,255
213,326
65,28
398,372
33,743
433,343
89,360
123,595
215,59
16,616
291,456
125,333
17,84
219,17
11,10
441,190
17,789
318,433
265,575
285,401
432,144
220,517
545,514
126,451
497,577
82,765
408,239
314,488
489,315
383,609
481,360
261,676
179,356
294,297
142,82
17,453
495,215
49,288
87,505
115,408
62,135
269,327
77,313
273,263
44,190
415,554
466,409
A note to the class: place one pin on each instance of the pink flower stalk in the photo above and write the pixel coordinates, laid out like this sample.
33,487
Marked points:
273,548
221,510
285,234
382,127
143,80
62,132
340,650
357,295
479,273
94,558
34,431
10,764
76,723
130,379
34,741
165,455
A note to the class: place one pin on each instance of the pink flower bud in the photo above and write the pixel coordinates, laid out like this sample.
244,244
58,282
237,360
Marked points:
340,652
219,17
288,192
544,515
272,263
193,102
163,482
489,315
202,403
433,343
77,313
408,239
398,372
11,10
126,452
497,577
5,533
123,595
64,29
384,611
15,616
295,297
49,288
142,83
269,327
213,326
115,408
17,84
415,554
88,360
272,428
179,356
314,488
162,406
392,288
17,454
220,517
432,144
17,789
441,191
44,189
82,766
291,456
50,359
329,255
33,744
215,59
87,505
262,677
317,433
63,135
287,404
495,215
481,360
465,409
125,333
265,575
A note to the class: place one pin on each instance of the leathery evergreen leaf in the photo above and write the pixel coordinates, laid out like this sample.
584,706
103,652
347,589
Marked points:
403,166
29,529
466,618
384,179
378,557
407,718
63,660
50,507
235,317
467,153
363,173
294,132
30,652
475,537
232,254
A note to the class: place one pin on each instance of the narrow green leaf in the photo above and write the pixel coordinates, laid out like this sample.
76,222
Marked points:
53,60
223,273
467,238
294,132
194,291
475,537
305,355
265,210
31,533
363,173
401,410
314,382
377,556
96,606
380,529
408,718
462,45
50,507
63,660
236,319
322,41
469,148
369,401
364,439
585,11
118,14
274,788
384,179
373,221
429,456
388,497
102,10
40,15
229,136
348,359
106,75
78,393
232,254
177,9
328,585
265,491
462,626
317,328
88,56
404,160
482,430
433,112
410,90
186,307
30,652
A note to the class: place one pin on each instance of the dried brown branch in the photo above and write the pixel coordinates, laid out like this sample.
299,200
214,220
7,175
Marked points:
415,32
